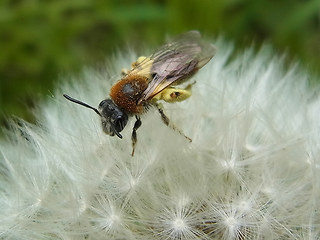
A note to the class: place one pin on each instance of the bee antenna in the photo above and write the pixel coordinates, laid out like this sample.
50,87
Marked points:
83,104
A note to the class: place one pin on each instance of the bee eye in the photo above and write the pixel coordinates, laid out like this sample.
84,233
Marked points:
103,102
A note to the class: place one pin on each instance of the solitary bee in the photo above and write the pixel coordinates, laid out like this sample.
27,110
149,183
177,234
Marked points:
150,80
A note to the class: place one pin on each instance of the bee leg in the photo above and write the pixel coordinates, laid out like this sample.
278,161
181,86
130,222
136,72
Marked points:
134,139
172,94
124,72
166,121
139,60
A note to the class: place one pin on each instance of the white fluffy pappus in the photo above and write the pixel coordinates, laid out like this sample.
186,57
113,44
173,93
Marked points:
252,170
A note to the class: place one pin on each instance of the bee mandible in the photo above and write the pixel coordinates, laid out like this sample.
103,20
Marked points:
150,80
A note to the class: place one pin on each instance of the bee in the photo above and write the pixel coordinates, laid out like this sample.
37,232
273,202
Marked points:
150,80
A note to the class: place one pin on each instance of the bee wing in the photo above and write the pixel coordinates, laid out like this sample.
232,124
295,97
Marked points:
176,60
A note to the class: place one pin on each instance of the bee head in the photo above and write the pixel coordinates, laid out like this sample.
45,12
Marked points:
113,118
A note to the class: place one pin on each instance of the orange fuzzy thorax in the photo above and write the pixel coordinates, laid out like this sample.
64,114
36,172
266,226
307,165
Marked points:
126,93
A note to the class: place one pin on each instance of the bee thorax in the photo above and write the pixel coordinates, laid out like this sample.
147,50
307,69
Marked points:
126,93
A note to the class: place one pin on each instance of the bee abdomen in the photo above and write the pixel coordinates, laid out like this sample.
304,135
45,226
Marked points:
126,93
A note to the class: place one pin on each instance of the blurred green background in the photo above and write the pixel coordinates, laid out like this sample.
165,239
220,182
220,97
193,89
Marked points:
43,39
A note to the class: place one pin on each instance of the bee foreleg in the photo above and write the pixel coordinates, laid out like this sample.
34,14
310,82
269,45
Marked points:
141,59
124,72
166,120
134,139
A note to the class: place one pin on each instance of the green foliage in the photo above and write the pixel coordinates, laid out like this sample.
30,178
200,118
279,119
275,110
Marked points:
41,39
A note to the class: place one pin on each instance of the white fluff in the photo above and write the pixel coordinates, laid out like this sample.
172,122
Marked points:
251,172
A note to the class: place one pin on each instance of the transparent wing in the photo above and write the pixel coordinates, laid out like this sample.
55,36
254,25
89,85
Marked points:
174,61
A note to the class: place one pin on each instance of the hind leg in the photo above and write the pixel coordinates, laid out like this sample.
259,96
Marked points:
134,139
166,121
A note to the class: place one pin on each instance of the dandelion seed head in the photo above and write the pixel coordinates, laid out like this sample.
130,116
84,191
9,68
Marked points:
228,165
113,220
176,225
179,225
231,223
251,171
